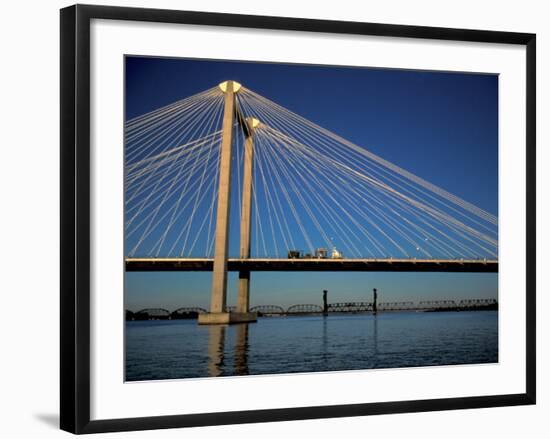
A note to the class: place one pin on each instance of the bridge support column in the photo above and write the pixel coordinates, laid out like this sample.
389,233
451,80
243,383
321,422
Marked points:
243,298
218,302
243,295
218,299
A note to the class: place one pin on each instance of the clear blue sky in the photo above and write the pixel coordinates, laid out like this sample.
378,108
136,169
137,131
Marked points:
440,126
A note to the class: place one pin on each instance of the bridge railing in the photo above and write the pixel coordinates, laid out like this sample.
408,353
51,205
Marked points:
304,309
152,314
268,310
437,304
477,303
187,313
350,307
396,306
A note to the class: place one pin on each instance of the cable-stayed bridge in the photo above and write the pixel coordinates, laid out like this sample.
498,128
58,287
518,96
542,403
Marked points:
228,163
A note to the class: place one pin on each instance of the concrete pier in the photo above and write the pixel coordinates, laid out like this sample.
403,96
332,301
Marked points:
226,318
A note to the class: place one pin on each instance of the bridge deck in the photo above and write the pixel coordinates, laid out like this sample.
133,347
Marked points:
314,264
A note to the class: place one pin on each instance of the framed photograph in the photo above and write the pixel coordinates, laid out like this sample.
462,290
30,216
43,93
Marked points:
268,218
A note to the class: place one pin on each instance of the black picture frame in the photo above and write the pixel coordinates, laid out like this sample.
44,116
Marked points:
75,218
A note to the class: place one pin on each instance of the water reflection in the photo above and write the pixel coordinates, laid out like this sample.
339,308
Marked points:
183,349
217,364
216,344
324,344
241,349
229,347
375,341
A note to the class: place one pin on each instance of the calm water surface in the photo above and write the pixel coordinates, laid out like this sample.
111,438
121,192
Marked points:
183,349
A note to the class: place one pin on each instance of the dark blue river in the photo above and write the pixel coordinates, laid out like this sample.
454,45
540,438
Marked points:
173,349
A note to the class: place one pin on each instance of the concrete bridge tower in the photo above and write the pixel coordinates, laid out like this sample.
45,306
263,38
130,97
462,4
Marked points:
218,302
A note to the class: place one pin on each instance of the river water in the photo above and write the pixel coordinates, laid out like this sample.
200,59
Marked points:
171,349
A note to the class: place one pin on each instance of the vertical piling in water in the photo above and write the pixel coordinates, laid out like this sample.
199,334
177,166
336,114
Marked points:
374,301
325,303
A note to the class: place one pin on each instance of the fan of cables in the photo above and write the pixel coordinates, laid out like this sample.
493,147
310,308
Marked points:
311,189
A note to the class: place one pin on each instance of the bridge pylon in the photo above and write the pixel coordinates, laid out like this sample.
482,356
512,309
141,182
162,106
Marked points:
218,303
243,297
